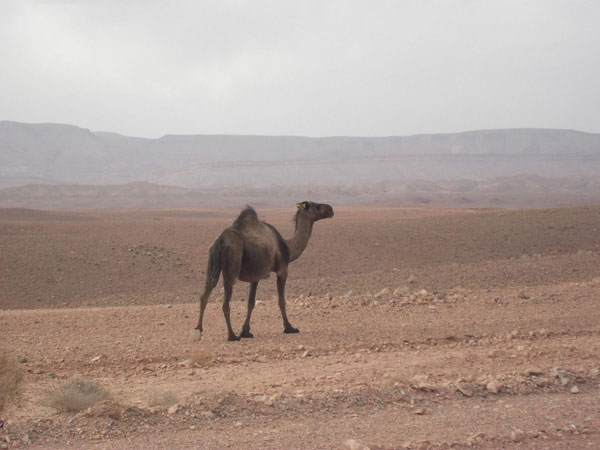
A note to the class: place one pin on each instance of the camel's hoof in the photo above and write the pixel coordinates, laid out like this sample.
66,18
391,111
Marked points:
196,335
234,338
291,330
246,335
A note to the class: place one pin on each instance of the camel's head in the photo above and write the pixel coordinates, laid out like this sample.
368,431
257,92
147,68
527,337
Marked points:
315,211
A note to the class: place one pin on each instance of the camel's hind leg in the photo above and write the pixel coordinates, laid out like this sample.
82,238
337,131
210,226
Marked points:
231,264
210,285
251,301
287,326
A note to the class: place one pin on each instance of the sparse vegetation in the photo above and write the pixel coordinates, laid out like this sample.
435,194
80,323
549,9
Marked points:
161,397
397,378
76,394
11,378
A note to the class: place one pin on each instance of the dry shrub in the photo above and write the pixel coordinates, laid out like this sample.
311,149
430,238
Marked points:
202,358
76,394
397,378
11,377
161,397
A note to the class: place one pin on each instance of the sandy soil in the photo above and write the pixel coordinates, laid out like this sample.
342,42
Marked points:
420,328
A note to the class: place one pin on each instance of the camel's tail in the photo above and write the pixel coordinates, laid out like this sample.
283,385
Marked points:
214,263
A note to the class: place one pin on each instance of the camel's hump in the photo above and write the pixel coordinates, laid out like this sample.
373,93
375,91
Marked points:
248,213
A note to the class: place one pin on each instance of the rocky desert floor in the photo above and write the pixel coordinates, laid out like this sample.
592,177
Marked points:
419,328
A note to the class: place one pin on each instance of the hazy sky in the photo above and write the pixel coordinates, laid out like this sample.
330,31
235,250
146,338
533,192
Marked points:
314,68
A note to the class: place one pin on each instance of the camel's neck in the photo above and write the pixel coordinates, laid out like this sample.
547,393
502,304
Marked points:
299,241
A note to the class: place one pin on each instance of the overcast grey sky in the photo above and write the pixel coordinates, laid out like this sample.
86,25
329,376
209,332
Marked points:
313,68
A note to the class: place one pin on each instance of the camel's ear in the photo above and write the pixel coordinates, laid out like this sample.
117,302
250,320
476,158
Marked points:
302,205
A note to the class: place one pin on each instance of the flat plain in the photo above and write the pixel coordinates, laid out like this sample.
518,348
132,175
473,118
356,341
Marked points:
419,328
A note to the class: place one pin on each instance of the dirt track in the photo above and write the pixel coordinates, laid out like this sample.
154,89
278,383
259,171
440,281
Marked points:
488,335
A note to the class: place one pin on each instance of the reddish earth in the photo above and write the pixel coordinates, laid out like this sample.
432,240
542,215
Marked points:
487,333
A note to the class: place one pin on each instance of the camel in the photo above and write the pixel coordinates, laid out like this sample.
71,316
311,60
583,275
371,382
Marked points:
249,251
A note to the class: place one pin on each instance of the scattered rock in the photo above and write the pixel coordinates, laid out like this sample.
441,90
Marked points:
464,390
400,291
96,358
534,371
493,387
350,293
517,435
196,335
383,292
208,414
419,411
353,444
173,409
169,305
543,382
188,363
593,373
563,379
574,390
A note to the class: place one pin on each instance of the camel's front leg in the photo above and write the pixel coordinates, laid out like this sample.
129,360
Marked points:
287,326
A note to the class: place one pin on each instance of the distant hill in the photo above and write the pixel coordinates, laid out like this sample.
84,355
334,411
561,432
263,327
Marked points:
508,192
51,154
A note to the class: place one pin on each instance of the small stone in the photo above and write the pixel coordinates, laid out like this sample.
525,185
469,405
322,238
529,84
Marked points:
169,305
350,293
238,423
383,292
96,358
516,435
593,373
353,444
173,409
188,363
493,387
534,371
464,390
419,411
196,335
574,390
400,291
306,353
208,414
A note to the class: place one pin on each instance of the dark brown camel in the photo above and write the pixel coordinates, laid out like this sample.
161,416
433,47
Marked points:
249,251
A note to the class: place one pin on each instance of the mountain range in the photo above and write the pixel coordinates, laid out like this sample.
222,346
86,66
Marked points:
53,158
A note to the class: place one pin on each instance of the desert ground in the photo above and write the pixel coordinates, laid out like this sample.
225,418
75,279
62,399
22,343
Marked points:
419,328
